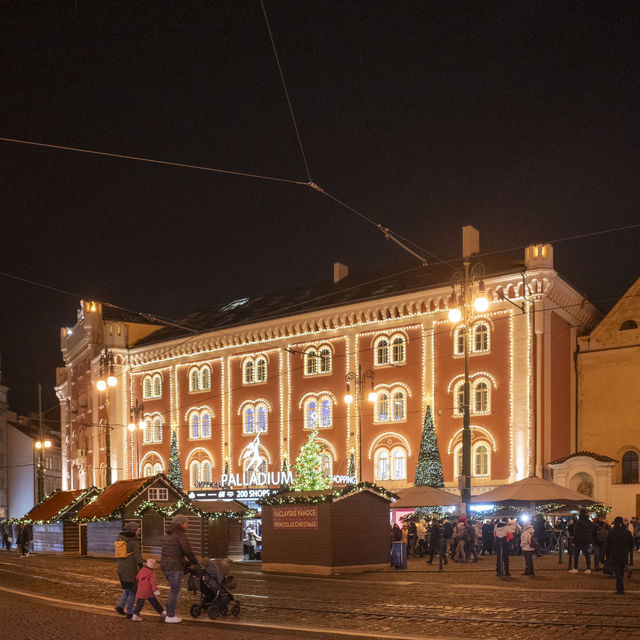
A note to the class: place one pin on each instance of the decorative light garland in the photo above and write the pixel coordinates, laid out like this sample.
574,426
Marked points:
25,520
303,497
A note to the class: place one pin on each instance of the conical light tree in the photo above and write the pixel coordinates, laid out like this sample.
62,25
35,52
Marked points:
429,467
351,471
283,483
308,474
175,471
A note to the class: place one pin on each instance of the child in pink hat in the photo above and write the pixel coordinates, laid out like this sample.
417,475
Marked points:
147,590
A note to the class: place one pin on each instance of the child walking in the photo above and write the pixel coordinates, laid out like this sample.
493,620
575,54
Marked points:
147,590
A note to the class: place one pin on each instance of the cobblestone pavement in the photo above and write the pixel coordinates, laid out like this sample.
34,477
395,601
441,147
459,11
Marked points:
464,601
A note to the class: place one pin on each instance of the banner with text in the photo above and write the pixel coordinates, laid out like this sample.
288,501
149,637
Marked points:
295,517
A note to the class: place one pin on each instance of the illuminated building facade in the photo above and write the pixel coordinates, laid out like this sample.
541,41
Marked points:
264,371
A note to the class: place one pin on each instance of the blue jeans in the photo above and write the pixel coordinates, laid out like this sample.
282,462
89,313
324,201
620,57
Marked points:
174,578
128,596
152,601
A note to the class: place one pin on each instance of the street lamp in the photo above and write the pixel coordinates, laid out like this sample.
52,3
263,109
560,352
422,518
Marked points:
359,379
135,415
41,445
461,308
105,380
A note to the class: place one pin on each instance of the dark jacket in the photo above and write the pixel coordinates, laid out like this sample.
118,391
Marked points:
128,567
175,547
24,535
583,532
619,543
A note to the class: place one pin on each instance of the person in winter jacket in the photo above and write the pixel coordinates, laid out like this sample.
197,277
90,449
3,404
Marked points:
502,534
22,540
147,590
617,546
582,538
421,529
128,568
175,548
600,534
528,549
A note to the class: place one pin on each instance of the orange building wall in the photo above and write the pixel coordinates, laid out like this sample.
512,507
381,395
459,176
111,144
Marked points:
561,365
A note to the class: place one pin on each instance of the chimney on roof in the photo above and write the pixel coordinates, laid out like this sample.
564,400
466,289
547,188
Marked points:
470,241
340,272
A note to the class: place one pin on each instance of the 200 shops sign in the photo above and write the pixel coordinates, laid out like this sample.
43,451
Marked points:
295,517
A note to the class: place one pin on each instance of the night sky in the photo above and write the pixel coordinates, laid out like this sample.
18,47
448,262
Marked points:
520,118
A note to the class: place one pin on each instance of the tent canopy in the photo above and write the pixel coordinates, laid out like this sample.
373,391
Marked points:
423,496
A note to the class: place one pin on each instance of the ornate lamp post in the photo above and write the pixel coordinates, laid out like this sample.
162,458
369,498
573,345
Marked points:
359,379
136,416
107,379
461,308
41,444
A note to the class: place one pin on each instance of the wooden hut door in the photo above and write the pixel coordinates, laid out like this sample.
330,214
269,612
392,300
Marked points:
152,534
83,539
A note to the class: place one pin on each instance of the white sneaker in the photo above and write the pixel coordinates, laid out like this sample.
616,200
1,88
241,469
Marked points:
588,571
136,618
573,571
173,619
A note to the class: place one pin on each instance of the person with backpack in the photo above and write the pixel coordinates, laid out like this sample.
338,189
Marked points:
129,558
528,544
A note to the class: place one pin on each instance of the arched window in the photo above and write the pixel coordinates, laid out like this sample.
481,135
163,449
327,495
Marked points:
248,372
157,468
382,464
458,460
398,463
148,471
628,324
382,407
262,418
481,397
195,425
382,351
153,429
480,460
157,386
205,378
397,350
194,380
248,421
205,421
261,369
205,475
326,419
458,398
399,405
157,429
147,389
481,337
630,467
311,413
327,464
195,474
311,364
325,360
458,341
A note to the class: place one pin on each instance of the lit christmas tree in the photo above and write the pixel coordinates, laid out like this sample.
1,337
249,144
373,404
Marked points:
308,474
175,472
283,483
351,471
429,467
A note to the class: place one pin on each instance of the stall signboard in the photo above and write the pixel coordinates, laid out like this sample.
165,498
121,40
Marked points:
295,516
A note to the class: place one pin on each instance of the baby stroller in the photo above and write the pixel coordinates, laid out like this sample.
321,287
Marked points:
215,586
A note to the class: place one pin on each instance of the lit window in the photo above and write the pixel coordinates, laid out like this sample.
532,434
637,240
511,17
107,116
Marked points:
382,464
195,474
311,414
382,412
261,370
630,467
398,464
458,458
481,397
262,418
205,420
458,398
481,460
399,408
249,415
248,372
311,364
148,471
195,425
206,472
194,379
459,337
325,360
157,386
157,468
147,388
397,350
205,378
325,416
481,337
153,429
159,494
382,351
327,465
157,429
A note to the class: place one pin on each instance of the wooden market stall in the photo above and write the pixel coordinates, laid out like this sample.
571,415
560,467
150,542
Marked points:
325,532
54,530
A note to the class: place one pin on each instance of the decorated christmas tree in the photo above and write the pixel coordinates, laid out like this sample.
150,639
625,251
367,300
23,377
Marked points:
175,472
429,467
351,471
308,474
283,482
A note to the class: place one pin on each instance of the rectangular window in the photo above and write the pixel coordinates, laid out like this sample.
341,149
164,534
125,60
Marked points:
159,494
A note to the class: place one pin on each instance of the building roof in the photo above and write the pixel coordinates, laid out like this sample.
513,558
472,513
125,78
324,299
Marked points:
114,498
57,504
373,285
587,454
221,506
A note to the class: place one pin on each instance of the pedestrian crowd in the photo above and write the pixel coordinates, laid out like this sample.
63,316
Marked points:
466,540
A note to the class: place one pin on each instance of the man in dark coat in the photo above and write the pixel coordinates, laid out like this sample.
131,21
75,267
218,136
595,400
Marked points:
22,540
175,548
582,538
618,544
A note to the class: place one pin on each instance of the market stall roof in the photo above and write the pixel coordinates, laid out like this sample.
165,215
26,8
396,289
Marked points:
532,490
423,496
323,495
53,508
221,506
